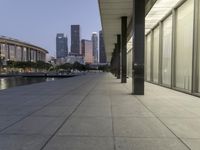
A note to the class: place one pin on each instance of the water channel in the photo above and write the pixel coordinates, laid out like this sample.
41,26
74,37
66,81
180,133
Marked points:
8,82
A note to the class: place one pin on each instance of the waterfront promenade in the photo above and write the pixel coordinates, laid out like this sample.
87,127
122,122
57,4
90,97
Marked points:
96,112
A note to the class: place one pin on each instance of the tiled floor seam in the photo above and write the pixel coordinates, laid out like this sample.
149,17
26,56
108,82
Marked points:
112,117
164,124
40,108
67,118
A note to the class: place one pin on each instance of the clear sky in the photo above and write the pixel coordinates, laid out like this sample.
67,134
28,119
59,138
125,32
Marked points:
38,21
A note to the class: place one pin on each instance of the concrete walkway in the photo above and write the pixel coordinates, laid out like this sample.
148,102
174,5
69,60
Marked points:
97,112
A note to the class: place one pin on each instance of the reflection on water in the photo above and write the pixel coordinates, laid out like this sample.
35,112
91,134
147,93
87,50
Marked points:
9,82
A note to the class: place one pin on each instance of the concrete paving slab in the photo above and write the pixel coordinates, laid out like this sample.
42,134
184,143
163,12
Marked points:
21,142
133,110
5,121
54,111
140,127
47,107
80,143
69,100
149,144
87,126
184,127
97,100
194,144
91,111
35,125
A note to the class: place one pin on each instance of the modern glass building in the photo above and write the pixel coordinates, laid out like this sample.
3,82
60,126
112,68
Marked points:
15,50
95,46
87,51
102,53
155,41
75,39
61,46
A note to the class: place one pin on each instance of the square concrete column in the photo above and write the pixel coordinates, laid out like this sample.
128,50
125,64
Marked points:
118,56
124,48
138,45
115,60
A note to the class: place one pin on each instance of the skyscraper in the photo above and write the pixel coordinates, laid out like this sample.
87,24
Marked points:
61,45
95,46
75,39
87,51
102,53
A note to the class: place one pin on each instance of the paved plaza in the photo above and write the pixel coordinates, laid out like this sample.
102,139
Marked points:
96,112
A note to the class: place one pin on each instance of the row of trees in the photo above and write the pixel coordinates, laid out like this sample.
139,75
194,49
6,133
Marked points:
40,65
81,67
75,66
28,64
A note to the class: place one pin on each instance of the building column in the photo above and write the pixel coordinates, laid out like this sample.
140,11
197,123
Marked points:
116,61
124,48
118,56
138,46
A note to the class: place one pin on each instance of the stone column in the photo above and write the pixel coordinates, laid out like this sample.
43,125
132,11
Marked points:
138,47
124,48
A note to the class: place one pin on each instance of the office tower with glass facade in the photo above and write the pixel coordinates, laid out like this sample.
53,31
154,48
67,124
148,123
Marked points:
102,52
87,51
75,39
95,46
61,45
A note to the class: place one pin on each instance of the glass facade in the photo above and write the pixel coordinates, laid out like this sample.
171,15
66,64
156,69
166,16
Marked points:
24,55
155,54
148,57
199,49
166,51
177,45
33,55
19,53
129,63
3,51
11,51
184,45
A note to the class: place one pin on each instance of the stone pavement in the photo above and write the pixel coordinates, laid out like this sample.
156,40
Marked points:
97,112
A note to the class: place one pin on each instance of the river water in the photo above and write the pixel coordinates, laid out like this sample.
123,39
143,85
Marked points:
9,82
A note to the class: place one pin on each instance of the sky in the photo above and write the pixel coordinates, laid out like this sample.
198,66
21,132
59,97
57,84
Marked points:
38,21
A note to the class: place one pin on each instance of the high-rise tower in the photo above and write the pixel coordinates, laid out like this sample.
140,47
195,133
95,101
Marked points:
75,39
61,46
102,53
95,46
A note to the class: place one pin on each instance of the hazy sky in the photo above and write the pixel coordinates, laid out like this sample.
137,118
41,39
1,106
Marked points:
38,21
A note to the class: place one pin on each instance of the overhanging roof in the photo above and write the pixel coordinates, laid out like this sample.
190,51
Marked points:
111,12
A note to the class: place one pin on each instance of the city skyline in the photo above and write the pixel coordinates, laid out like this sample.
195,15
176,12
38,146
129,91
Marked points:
40,27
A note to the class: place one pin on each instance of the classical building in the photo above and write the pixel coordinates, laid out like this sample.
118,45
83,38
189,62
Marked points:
15,50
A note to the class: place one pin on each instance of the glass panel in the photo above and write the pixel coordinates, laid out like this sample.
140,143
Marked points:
33,55
199,49
12,52
155,54
24,54
3,51
148,62
167,48
19,53
129,63
184,45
